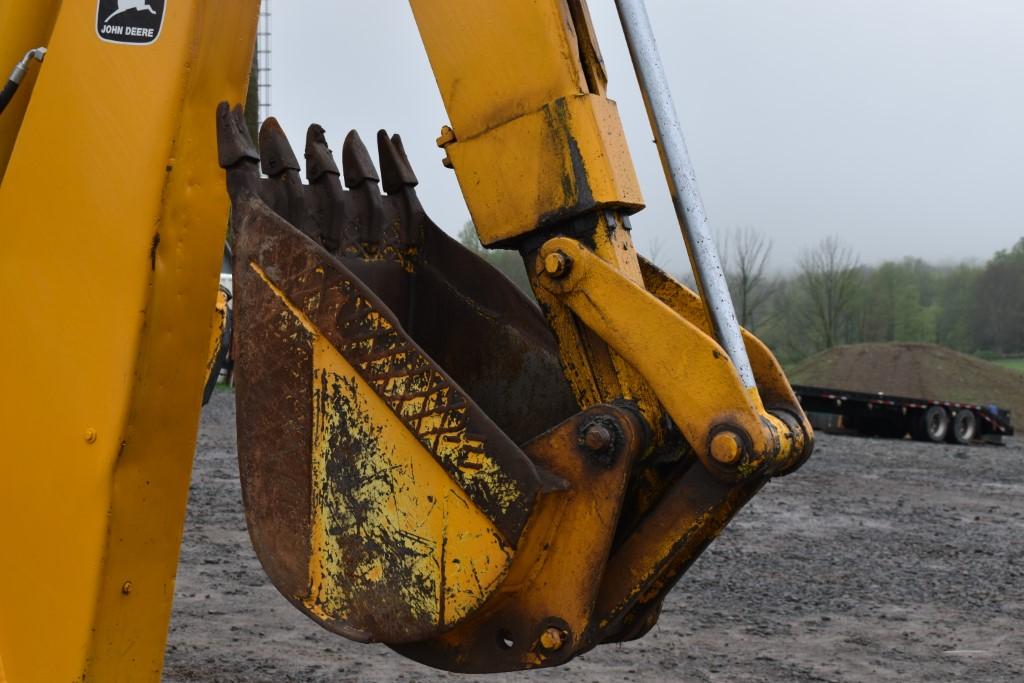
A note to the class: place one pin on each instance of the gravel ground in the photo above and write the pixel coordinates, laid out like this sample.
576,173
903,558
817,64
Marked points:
878,561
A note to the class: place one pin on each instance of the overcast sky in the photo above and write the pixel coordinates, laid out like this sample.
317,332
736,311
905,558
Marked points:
896,124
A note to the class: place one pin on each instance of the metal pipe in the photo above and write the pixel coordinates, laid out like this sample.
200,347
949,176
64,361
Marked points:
693,221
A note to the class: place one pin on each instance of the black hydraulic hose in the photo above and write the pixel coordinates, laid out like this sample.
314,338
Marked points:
7,93
20,69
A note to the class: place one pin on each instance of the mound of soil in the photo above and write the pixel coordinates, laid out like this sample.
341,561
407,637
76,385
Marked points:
915,370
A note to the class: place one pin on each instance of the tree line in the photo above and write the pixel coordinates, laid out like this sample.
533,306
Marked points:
832,298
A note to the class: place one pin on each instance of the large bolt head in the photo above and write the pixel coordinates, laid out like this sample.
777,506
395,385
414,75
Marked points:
597,437
447,136
552,638
556,264
726,447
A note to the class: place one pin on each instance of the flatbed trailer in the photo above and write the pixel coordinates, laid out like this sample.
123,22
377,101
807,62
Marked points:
895,417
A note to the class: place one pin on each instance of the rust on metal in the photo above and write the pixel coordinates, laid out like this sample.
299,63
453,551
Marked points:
646,564
337,402
557,571
386,374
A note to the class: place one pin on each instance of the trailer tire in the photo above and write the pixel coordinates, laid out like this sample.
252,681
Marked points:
932,424
963,427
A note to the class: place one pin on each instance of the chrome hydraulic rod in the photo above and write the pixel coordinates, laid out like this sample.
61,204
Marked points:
693,221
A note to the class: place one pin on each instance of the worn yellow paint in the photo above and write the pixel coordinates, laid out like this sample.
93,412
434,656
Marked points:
540,109
23,26
597,373
771,378
497,61
542,113
449,439
220,321
105,334
699,392
535,144
565,158
386,509
412,518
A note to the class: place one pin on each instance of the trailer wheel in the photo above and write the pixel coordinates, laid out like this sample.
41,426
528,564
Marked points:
963,428
932,424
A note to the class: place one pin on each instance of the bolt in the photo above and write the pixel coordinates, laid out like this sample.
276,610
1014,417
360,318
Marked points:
726,447
447,162
447,136
597,437
90,435
126,587
556,264
552,638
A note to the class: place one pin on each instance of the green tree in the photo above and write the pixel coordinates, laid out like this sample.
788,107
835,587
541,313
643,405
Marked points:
897,302
954,325
999,302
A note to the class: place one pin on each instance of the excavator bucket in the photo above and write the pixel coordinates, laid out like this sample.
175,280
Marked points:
416,468
378,392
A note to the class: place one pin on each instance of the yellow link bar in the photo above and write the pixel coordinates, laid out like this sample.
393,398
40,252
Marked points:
693,378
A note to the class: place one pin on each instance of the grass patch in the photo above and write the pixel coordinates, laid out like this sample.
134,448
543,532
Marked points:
1012,363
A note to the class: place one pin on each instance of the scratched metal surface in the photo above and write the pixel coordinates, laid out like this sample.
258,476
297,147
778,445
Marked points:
382,499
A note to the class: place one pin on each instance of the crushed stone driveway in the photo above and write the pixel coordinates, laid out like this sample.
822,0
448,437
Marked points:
878,561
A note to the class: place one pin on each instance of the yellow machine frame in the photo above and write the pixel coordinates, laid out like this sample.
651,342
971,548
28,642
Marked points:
113,213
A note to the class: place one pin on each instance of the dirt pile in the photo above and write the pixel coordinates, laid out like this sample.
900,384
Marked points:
916,370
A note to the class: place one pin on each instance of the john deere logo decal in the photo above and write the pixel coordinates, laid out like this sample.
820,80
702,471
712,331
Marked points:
135,22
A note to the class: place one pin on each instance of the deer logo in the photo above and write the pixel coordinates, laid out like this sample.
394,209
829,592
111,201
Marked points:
129,22
125,5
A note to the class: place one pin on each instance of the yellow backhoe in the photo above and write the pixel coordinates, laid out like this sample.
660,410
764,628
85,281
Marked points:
429,458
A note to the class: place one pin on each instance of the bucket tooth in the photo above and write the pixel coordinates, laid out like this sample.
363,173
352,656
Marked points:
326,190
236,151
356,161
399,182
319,158
362,180
395,170
276,153
285,193
233,141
